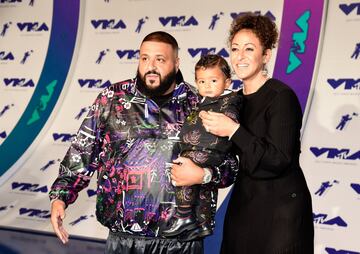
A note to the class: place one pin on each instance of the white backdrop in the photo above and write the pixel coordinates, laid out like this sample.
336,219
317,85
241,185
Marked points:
107,40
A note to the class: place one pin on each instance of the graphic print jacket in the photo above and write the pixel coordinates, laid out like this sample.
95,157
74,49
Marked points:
128,140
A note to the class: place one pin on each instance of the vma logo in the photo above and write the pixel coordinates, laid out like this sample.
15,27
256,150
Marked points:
30,212
29,187
108,24
268,14
128,54
63,137
176,21
6,108
356,187
356,53
102,54
214,20
194,52
6,56
26,56
350,8
82,112
334,251
48,164
325,186
81,218
5,28
322,219
334,153
32,27
236,84
299,39
18,82
3,134
5,207
91,193
10,1
345,83
345,119
141,22
94,83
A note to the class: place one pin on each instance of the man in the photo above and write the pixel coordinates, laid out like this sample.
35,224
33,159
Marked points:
128,138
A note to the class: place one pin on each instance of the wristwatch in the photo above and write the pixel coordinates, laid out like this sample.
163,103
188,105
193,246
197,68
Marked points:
207,176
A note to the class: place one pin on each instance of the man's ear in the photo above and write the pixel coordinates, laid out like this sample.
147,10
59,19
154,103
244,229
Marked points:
177,64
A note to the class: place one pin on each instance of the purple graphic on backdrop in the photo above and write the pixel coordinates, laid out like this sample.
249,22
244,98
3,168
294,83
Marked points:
141,22
26,55
356,53
324,186
345,119
3,134
102,53
5,28
214,20
299,39
6,108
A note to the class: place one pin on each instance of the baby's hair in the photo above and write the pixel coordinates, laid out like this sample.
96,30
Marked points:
211,61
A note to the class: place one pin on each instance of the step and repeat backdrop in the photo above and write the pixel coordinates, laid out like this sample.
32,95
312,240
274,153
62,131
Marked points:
56,56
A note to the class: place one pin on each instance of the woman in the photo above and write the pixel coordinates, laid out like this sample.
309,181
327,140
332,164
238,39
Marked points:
270,207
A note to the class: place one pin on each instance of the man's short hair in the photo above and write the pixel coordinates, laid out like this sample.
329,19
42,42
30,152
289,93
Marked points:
161,36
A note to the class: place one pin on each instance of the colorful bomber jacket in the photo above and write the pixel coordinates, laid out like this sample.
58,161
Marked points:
128,140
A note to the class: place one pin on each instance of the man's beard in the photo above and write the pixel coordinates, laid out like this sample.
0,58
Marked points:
161,89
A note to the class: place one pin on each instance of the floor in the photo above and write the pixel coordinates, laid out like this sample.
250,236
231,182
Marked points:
14,241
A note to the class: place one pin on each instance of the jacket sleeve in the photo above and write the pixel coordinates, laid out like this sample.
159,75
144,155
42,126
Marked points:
271,155
81,159
224,175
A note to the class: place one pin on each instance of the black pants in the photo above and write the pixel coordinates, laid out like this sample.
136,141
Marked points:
119,243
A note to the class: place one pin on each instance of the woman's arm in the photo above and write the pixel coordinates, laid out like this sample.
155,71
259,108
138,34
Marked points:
268,156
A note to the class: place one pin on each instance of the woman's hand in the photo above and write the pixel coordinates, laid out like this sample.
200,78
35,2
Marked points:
218,123
184,172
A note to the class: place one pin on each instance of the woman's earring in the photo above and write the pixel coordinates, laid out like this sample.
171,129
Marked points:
264,70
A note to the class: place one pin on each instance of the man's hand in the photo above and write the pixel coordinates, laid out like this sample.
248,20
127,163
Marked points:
57,216
184,172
